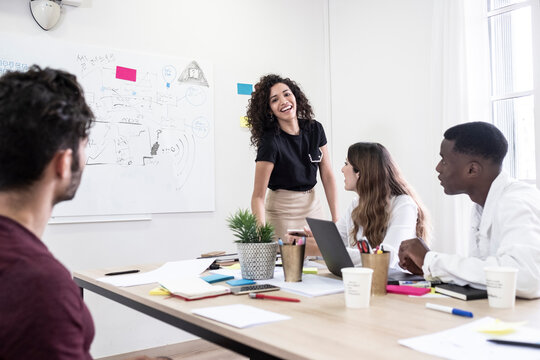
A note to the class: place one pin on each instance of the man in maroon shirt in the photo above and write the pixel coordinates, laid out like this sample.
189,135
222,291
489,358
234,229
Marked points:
44,126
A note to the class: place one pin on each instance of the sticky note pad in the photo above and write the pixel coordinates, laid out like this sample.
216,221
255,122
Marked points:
243,121
309,270
498,327
124,73
244,89
159,291
234,267
216,278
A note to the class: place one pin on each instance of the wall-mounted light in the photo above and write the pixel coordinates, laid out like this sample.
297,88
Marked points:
47,12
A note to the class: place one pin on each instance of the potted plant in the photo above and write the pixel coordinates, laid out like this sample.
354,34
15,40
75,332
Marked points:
256,246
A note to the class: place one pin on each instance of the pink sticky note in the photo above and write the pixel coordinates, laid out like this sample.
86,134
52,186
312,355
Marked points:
126,73
407,290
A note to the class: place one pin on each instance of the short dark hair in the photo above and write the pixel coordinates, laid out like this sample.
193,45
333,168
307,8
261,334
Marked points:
480,139
41,111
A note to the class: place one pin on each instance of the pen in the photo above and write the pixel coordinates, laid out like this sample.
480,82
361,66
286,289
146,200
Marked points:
280,298
449,310
515,343
122,272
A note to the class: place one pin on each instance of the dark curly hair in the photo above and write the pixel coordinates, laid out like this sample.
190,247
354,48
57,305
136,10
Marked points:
41,112
259,114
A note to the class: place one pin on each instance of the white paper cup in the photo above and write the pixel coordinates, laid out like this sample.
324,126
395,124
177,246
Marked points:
501,286
357,282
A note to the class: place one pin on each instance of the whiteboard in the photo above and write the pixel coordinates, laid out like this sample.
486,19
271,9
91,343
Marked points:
151,149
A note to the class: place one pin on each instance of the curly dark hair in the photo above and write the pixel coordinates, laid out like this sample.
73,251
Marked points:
259,114
41,112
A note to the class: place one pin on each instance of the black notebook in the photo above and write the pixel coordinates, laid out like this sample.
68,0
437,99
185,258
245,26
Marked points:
461,292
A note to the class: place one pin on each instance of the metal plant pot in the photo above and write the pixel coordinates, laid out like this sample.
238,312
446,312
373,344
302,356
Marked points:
257,260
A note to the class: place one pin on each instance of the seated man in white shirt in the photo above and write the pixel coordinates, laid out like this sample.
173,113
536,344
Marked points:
505,218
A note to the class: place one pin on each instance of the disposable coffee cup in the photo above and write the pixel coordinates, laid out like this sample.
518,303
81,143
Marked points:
357,283
379,263
292,258
501,286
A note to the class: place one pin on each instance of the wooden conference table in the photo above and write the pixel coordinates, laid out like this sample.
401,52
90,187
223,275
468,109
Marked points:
319,328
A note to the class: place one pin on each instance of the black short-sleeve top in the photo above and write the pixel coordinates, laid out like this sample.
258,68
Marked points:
295,157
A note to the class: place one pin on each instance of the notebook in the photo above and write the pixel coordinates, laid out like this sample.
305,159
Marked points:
193,288
333,250
461,292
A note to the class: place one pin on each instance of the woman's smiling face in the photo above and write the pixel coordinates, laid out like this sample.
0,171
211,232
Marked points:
282,102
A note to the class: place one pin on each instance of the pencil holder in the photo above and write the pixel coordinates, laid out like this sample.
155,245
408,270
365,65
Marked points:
379,263
292,257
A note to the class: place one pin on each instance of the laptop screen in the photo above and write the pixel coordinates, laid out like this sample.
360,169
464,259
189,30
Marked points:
333,250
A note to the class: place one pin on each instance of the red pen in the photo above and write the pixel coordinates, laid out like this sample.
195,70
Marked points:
280,298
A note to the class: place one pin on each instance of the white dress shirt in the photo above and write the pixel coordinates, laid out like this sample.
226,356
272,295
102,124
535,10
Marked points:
402,226
505,232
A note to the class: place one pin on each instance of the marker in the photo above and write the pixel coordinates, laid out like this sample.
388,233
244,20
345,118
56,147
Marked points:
450,310
515,343
122,272
280,298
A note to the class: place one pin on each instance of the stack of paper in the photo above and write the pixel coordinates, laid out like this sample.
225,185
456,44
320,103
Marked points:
469,341
311,285
191,288
183,267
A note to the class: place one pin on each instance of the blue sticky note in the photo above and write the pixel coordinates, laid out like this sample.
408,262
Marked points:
216,278
244,89
240,282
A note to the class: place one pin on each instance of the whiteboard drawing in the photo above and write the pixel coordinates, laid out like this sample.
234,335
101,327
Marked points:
151,149
193,74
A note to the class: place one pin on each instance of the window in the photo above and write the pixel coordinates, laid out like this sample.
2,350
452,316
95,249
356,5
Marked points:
512,85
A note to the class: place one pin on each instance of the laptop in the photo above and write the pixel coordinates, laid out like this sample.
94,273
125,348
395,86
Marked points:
333,250
335,254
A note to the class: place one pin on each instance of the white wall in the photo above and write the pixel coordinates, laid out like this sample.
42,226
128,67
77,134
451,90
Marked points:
244,39
378,88
381,75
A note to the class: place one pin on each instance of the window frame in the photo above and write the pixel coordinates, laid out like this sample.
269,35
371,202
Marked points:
534,92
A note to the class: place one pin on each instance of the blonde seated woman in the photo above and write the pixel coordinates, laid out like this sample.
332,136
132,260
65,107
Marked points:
386,211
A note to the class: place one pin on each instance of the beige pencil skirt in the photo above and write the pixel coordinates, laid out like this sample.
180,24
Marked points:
287,209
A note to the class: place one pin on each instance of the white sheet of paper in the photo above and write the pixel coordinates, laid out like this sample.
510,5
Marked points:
465,342
315,264
168,270
240,316
310,286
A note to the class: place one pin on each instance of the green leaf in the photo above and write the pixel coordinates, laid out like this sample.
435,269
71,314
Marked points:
246,229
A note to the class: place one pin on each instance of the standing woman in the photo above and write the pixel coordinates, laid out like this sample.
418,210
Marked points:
291,147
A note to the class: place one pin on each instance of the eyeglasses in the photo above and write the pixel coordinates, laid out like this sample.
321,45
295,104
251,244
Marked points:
316,160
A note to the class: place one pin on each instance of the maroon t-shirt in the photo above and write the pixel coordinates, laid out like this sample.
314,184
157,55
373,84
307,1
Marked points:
42,314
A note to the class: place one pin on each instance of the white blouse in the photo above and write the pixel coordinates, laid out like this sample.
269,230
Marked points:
402,226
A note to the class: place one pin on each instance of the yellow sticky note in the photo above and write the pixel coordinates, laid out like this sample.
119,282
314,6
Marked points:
243,121
498,327
234,267
159,291
310,270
